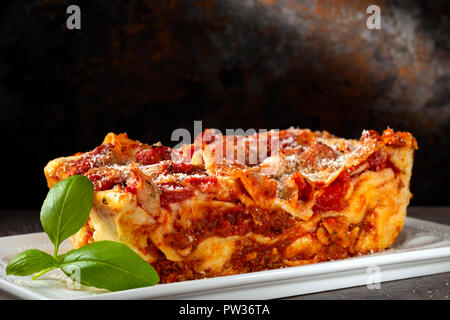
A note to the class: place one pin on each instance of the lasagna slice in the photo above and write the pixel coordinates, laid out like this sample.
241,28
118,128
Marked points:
234,204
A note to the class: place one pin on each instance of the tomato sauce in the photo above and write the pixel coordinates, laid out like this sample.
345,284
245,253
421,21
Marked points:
379,161
333,197
172,192
153,155
103,179
305,190
99,156
181,167
205,184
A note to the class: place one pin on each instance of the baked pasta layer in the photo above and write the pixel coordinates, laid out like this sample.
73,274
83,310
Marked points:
233,204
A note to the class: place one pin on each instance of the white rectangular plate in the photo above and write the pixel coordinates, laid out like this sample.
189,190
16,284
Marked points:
423,248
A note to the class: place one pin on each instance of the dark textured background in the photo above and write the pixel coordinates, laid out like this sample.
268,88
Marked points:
149,67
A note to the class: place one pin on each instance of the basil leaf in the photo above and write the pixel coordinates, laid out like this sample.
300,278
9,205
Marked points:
109,265
66,208
29,262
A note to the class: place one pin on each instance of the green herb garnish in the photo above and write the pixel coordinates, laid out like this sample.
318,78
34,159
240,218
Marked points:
103,264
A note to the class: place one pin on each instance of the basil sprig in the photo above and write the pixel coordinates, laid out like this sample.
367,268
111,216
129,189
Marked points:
66,208
102,264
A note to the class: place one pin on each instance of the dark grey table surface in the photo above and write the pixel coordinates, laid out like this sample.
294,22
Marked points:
14,222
